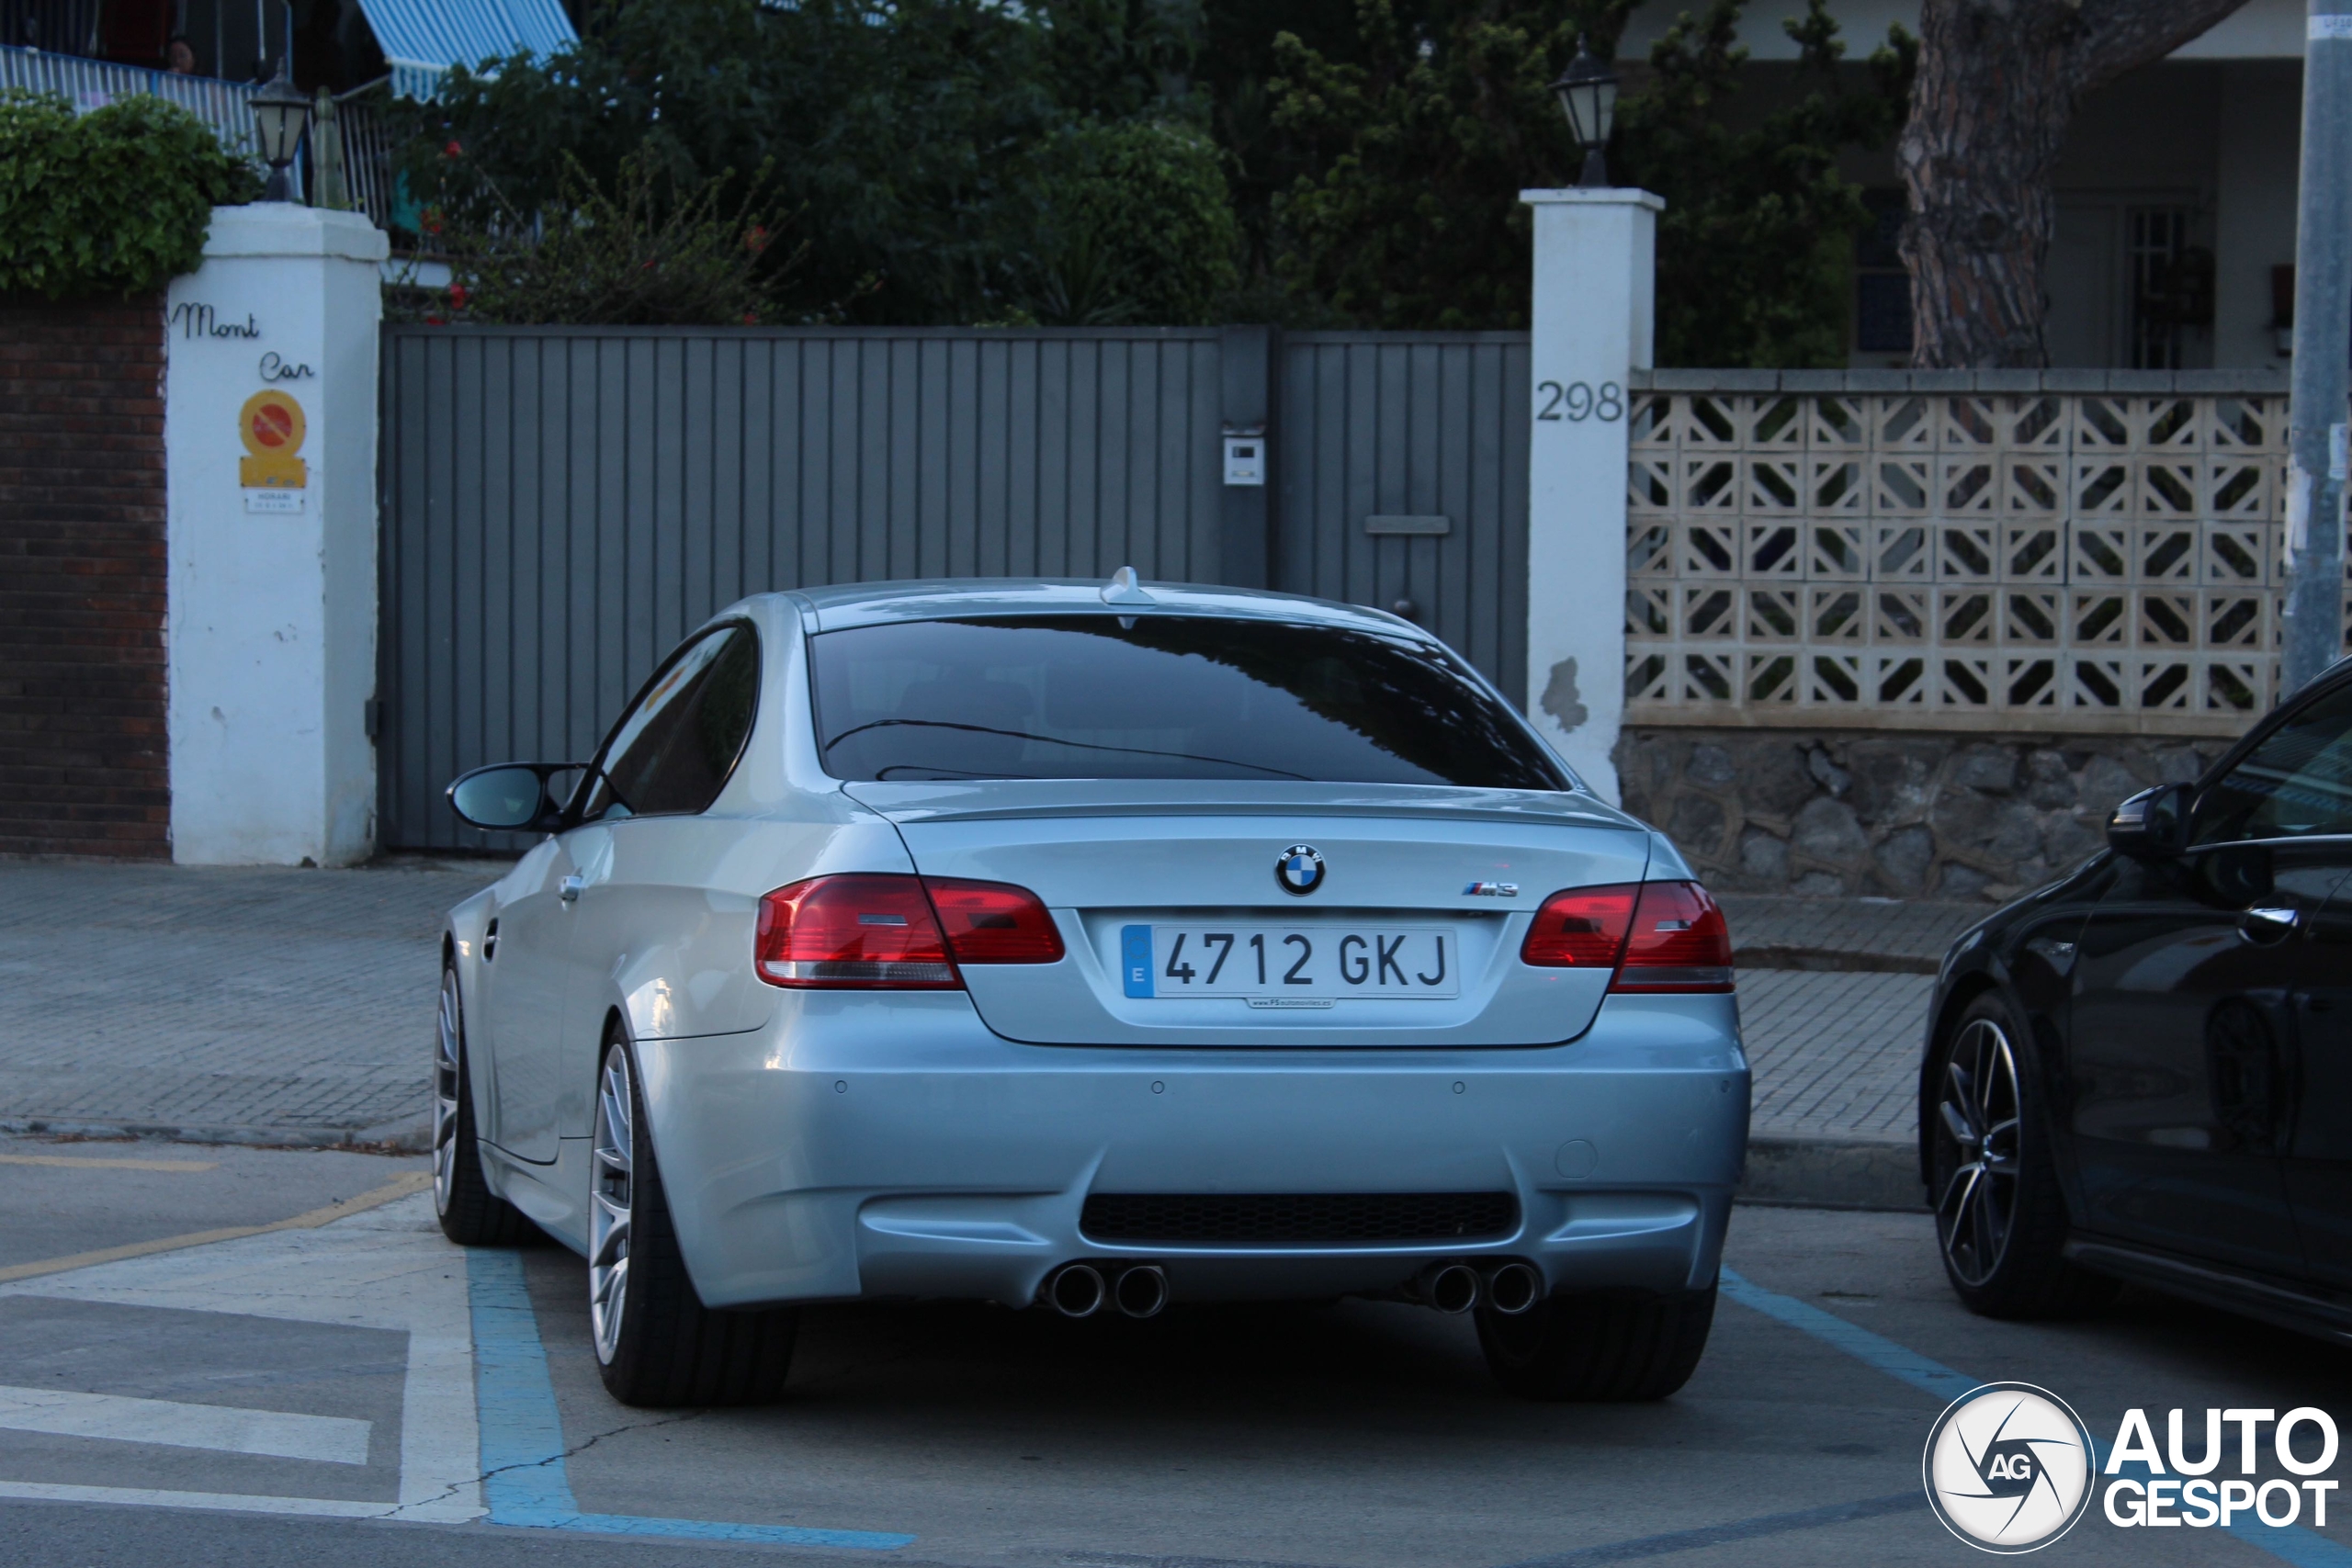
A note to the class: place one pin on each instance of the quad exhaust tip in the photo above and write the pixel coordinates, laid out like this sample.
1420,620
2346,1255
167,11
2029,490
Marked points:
1141,1292
1076,1289
1081,1290
1513,1288
1449,1287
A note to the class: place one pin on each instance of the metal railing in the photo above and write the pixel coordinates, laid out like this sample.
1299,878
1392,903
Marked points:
89,85
2056,551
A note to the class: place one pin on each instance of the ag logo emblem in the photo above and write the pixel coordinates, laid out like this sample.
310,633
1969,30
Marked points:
2008,1468
1300,870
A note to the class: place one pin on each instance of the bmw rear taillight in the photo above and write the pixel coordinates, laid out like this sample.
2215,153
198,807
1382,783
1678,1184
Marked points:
882,931
1583,928
993,922
1658,936
860,933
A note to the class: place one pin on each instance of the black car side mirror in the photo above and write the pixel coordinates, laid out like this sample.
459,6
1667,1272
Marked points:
2152,822
509,796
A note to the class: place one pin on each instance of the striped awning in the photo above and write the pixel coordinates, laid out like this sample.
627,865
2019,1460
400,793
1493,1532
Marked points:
423,38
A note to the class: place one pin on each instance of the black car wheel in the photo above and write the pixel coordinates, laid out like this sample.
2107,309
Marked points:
657,1344
470,1213
1598,1346
2000,1216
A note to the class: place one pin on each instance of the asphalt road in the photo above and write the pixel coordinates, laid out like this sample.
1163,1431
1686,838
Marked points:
361,1391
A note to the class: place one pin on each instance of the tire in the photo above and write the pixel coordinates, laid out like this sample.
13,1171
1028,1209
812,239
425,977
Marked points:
656,1344
2001,1221
470,1213
1615,1346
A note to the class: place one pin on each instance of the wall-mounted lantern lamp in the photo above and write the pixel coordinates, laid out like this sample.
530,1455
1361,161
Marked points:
1587,94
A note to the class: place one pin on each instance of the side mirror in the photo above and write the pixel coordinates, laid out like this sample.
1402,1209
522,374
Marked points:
509,796
2152,822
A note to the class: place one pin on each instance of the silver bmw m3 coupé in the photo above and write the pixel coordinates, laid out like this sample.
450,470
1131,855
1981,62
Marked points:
1093,948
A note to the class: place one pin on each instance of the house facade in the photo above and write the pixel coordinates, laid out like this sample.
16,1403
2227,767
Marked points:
2174,241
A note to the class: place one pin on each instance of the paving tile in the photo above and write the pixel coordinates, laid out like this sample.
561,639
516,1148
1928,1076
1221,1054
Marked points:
303,999
1916,929
1834,1055
219,998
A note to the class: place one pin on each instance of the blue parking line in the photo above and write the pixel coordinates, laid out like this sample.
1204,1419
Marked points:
1871,1349
524,1479
1672,1541
2297,1544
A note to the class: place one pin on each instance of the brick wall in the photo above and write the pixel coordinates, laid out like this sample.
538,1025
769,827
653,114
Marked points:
84,759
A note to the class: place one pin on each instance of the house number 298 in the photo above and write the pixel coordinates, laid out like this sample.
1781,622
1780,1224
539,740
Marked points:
1577,401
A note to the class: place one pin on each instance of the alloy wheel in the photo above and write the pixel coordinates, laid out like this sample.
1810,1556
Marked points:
446,1046
1977,1133
613,1167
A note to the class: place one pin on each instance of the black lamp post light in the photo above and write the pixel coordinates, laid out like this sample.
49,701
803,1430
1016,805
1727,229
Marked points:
280,110
1587,94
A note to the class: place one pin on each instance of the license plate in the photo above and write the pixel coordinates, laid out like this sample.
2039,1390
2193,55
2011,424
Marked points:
1272,966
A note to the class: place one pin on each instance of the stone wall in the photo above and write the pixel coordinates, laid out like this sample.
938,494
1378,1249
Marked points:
1895,814
84,767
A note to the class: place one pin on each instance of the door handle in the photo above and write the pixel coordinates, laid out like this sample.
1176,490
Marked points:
2269,922
568,889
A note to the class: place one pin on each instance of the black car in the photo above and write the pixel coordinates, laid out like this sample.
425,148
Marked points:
2145,1071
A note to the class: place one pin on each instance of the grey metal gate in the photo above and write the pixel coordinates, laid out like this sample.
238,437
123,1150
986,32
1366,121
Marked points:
561,505
1403,465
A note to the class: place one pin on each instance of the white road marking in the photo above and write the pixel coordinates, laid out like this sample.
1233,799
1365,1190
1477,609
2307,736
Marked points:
140,1496
337,1439
385,1268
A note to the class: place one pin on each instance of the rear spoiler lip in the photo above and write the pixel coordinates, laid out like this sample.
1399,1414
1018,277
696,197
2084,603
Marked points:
908,803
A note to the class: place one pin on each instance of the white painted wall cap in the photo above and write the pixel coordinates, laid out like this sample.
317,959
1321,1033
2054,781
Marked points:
1610,195
288,229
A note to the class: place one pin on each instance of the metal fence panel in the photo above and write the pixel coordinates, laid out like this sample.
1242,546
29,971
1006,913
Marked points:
1402,459
561,505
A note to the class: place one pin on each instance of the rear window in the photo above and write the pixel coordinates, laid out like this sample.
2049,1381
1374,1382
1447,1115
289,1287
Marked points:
1159,697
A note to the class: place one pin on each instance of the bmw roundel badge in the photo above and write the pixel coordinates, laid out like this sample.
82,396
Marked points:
1300,870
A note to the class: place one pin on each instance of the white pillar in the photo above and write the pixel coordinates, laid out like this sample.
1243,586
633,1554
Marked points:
270,439
1595,282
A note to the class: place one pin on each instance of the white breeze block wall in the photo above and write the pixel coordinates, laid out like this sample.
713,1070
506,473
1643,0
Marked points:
272,624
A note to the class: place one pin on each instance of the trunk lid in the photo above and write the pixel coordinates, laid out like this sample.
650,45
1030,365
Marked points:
1409,938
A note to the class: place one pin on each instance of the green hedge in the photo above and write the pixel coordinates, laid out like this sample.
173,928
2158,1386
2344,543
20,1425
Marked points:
116,201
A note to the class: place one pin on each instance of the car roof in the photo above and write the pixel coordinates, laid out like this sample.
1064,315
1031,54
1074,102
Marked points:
926,599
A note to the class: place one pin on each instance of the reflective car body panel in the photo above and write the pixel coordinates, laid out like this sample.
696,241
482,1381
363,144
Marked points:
2185,1013
859,1148
1145,853
826,1145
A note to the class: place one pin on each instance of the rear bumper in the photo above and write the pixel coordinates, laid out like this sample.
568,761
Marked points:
859,1147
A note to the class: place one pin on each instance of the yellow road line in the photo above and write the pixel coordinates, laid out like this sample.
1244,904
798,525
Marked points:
415,1182
81,1162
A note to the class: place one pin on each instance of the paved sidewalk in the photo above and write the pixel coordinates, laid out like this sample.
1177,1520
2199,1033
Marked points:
296,1005
1886,934
256,1005
1835,1056
1833,995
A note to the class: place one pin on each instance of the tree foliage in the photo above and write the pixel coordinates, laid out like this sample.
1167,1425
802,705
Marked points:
640,253
1756,238
1134,224
1409,214
921,146
115,201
